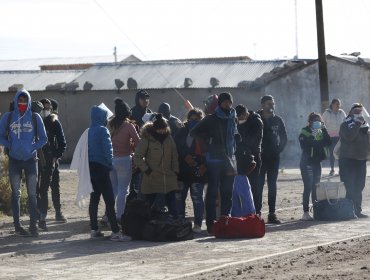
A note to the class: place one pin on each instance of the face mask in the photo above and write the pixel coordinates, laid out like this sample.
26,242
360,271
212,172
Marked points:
45,113
192,123
242,121
316,125
22,107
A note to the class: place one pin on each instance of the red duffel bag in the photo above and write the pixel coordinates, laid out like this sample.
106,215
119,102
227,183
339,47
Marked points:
250,226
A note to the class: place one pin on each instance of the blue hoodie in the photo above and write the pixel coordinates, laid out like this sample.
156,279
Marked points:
21,143
100,143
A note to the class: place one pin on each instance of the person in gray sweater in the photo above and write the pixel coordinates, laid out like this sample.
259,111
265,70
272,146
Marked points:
353,152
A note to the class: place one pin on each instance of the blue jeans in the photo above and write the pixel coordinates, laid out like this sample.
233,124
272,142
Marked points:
196,193
15,177
120,177
311,174
271,168
218,180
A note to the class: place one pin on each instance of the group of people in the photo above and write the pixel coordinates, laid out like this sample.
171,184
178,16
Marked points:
34,142
157,158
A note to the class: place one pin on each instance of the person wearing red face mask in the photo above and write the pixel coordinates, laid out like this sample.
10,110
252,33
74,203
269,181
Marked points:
19,134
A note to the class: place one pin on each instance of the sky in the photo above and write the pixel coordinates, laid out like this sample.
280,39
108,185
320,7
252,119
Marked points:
174,29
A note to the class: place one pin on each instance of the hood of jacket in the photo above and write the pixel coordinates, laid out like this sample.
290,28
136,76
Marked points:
165,110
28,111
148,129
99,116
140,94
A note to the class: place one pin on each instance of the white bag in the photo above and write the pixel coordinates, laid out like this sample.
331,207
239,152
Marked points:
330,191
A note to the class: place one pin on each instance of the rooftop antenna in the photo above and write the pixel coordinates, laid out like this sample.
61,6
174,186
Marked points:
115,54
296,29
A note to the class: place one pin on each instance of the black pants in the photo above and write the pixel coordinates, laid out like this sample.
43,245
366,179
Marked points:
102,185
45,180
270,166
253,178
353,174
159,201
311,174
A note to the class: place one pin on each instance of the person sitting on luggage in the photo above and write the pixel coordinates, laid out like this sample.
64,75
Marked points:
156,156
353,152
192,168
315,141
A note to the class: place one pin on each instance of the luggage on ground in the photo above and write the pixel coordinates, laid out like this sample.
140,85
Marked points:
340,210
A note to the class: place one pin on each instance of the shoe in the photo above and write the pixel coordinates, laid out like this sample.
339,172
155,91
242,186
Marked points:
272,219
104,221
197,228
209,230
361,216
21,231
332,172
118,236
42,225
34,232
59,217
96,234
306,217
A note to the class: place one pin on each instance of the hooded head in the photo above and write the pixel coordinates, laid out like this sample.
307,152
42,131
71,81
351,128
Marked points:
165,110
210,104
54,103
99,116
142,94
22,102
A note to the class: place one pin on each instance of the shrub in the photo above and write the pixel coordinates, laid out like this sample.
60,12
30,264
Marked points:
6,191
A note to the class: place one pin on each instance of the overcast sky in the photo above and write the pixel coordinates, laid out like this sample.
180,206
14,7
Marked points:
168,29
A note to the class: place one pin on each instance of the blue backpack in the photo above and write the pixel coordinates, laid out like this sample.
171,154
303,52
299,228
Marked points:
242,199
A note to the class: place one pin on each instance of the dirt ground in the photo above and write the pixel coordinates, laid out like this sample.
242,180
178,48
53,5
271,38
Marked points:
292,250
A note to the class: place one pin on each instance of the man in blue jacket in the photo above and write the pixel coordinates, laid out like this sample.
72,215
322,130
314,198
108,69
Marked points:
23,133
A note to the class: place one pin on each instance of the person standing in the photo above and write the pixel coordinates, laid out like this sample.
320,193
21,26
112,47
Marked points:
333,118
124,141
192,168
248,155
100,154
219,131
353,152
174,122
315,141
156,156
22,133
52,152
141,107
273,143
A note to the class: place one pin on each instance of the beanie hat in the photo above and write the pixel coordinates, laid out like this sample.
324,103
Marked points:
54,103
240,109
265,98
159,122
356,105
165,110
121,109
36,106
45,101
223,97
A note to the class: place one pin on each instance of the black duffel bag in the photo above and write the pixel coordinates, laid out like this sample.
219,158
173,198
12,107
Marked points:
338,210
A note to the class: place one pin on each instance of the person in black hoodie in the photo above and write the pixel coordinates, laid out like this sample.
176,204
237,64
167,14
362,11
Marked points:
141,107
219,131
315,141
248,152
274,141
52,151
174,123
192,168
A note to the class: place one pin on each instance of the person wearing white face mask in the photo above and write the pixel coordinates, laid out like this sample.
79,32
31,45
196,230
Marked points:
315,141
353,153
52,152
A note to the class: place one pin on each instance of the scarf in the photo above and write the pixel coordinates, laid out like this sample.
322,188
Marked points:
231,129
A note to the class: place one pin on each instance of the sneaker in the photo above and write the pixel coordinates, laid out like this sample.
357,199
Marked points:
59,217
21,231
332,172
96,234
272,219
197,229
361,216
42,225
118,236
34,232
104,221
306,217
209,230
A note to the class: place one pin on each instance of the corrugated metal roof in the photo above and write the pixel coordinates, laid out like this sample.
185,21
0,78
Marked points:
34,64
36,80
172,74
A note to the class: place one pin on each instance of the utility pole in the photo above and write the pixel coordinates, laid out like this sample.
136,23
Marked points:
323,69
296,29
115,54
